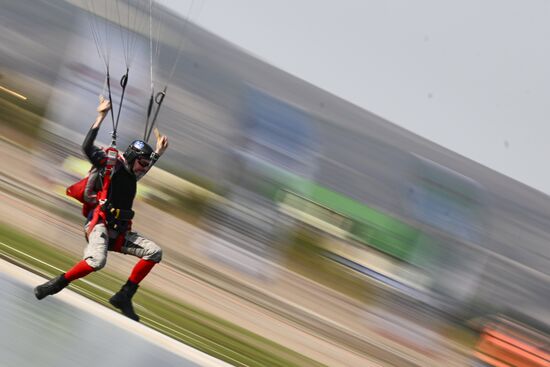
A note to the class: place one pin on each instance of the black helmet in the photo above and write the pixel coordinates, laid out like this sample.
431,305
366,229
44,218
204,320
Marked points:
138,148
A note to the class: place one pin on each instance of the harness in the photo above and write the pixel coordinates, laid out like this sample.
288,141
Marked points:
98,205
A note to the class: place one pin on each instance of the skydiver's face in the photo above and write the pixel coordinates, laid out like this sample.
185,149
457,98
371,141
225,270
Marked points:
140,165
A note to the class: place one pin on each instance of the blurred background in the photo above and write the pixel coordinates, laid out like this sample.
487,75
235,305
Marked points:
298,228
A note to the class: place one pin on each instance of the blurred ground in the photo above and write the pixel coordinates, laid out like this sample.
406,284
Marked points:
290,310
79,323
302,305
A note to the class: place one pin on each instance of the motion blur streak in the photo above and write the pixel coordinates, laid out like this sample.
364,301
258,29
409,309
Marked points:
297,229
13,93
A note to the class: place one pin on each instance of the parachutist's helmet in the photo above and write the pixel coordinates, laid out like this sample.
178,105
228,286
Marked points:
137,149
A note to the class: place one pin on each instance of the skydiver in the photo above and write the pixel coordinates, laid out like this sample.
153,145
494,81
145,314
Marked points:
108,225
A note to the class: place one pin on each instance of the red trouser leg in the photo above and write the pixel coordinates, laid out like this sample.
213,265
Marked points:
140,270
81,269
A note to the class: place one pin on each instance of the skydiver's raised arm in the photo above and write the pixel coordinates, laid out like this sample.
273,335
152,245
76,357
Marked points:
95,154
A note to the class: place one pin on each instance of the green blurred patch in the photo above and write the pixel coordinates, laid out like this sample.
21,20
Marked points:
178,320
175,195
24,116
182,204
305,255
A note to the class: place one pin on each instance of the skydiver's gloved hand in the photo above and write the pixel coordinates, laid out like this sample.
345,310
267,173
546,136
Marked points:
162,143
102,110
104,105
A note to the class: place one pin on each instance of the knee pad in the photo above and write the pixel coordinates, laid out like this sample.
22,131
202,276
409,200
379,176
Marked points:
155,254
96,262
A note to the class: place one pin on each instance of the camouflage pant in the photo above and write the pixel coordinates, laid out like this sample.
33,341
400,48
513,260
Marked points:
101,240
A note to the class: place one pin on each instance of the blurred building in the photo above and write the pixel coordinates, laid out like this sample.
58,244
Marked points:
460,233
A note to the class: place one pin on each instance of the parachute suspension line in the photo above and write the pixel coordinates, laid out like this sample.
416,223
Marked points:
130,28
151,98
128,44
154,60
124,30
121,32
102,43
158,31
159,98
94,29
104,55
181,43
127,27
151,44
96,42
136,23
104,89
139,22
107,40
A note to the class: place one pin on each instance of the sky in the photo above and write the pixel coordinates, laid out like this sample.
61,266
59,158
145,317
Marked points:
470,75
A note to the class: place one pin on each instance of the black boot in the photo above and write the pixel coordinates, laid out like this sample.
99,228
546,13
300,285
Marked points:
123,300
51,286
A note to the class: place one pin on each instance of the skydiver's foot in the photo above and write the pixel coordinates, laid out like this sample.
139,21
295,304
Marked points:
51,287
123,300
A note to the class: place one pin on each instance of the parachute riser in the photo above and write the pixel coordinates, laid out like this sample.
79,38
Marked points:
149,109
110,100
158,99
123,84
